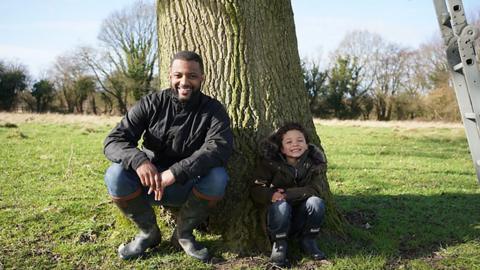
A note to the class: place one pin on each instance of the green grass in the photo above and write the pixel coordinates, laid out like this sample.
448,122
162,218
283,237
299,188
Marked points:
416,189
411,195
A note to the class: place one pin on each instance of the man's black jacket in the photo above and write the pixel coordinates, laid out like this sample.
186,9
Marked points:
189,138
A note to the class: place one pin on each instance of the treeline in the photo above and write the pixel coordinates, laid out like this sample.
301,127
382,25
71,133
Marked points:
366,77
370,78
101,80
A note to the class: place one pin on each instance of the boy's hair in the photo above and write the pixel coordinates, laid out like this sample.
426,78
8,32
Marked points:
278,135
188,56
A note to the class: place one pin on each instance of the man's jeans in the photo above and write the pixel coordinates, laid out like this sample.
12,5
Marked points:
283,220
121,183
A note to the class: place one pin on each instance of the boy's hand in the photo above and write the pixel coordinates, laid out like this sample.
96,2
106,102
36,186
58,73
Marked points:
278,195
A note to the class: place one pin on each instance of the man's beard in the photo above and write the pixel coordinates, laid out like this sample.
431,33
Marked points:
182,98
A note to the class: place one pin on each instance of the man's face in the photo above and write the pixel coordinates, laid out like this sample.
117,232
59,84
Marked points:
185,77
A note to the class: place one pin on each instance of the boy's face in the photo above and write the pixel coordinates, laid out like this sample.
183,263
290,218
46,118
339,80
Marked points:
293,144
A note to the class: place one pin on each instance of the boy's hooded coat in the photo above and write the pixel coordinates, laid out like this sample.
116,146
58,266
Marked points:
299,182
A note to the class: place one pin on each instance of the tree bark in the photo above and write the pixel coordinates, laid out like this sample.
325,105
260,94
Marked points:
252,66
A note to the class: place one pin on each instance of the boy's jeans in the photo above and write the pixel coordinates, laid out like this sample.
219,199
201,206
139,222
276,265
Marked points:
284,220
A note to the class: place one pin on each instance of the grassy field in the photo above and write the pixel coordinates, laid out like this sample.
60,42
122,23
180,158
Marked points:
409,192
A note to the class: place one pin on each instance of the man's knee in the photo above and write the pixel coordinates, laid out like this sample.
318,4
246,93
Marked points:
213,184
218,176
120,182
315,205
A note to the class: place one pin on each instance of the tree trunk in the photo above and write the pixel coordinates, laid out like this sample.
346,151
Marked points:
252,66
93,104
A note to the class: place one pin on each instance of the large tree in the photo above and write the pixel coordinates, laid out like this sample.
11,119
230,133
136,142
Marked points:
253,68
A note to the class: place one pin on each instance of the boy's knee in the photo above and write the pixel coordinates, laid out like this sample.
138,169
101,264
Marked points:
280,208
279,219
316,204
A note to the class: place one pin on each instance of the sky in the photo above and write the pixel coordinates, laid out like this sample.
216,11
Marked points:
34,32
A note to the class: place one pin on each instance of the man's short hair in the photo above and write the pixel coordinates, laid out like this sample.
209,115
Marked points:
188,56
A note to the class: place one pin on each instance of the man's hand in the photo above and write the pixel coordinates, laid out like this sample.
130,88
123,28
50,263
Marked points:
278,195
149,176
167,179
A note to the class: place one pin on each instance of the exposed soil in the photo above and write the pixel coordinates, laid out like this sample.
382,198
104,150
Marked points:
262,262
361,218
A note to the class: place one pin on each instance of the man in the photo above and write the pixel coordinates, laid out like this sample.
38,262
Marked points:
186,143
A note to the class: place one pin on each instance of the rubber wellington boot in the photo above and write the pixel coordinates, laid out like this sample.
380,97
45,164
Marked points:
193,212
141,213
279,253
309,246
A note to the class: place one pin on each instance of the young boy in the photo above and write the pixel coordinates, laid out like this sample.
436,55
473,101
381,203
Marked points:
287,183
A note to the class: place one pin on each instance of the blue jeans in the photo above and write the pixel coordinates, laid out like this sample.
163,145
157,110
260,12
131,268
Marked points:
122,183
283,220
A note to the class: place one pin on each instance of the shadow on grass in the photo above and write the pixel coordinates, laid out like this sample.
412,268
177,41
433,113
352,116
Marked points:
402,227
406,226
398,228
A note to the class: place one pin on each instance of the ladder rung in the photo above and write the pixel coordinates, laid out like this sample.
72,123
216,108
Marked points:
470,116
458,67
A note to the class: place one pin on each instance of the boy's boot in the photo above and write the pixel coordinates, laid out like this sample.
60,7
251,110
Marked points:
308,243
279,253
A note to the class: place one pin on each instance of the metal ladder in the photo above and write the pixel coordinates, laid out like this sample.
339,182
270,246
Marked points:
459,38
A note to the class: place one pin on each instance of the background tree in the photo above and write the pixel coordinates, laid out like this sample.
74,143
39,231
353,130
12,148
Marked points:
388,79
112,82
410,102
259,81
382,68
13,79
344,92
338,80
26,102
125,66
315,83
85,88
365,47
44,92
73,82
440,100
